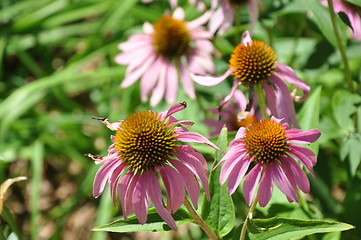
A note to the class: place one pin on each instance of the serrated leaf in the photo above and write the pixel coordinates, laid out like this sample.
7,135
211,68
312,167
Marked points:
154,223
219,213
323,21
309,115
287,228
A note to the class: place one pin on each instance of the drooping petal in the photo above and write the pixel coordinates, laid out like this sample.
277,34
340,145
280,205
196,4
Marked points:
159,89
240,100
174,109
300,176
187,136
114,180
229,165
228,98
299,136
123,185
237,174
187,81
149,78
128,206
253,13
311,155
140,199
190,181
210,80
196,23
246,39
265,187
102,176
240,133
175,187
155,194
216,20
288,74
178,13
193,163
171,84
282,182
250,183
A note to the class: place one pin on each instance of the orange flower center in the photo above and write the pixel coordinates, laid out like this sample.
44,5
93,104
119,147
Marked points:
266,141
144,141
171,37
253,63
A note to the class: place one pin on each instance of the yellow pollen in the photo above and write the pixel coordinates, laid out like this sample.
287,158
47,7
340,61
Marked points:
253,63
266,141
171,37
144,141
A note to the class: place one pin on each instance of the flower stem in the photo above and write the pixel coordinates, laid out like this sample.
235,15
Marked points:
261,99
341,46
249,216
199,220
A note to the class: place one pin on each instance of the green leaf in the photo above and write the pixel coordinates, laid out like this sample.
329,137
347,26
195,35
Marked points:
323,20
287,228
343,106
351,148
219,214
352,202
309,115
154,223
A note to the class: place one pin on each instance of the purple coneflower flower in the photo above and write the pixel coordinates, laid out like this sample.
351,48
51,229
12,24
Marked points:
223,16
269,144
352,12
147,145
254,62
234,115
169,48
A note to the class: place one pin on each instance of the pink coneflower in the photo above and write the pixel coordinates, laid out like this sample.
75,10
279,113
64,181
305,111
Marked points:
147,145
352,12
234,115
270,146
254,62
169,48
223,17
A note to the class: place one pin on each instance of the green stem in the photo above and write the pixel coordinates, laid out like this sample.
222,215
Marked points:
199,220
261,99
341,46
249,216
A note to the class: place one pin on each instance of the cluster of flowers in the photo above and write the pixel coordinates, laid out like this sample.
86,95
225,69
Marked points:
148,145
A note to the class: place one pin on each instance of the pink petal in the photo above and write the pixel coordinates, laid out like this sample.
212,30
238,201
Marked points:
304,159
135,75
113,182
299,136
311,155
171,84
282,182
139,57
288,74
204,45
192,163
216,20
299,176
265,187
209,80
237,174
186,81
178,13
229,165
148,28
228,98
199,21
123,185
250,183
175,187
155,195
159,89
140,200
190,181
135,42
174,109
241,133
240,100
102,176
127,208
149,78
186,136
253,13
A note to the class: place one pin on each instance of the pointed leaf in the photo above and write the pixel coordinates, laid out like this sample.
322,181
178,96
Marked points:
287,228
154,223
219,213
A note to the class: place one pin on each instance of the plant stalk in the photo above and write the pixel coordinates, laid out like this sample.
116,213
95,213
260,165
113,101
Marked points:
199,220
249,216
261,99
